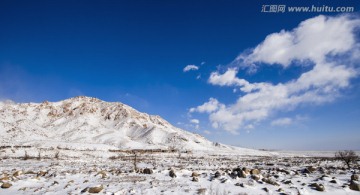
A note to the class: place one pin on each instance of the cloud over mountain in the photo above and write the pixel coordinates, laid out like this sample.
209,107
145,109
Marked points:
328,45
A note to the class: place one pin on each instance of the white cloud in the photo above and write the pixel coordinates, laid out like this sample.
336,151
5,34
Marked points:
208,107
312,40
282,122
226,79
325,43
207,132
194,121
190,67
229,79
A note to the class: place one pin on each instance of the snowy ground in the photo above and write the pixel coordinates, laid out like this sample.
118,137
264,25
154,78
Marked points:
75,172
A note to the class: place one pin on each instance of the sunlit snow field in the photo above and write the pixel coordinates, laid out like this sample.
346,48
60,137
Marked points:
83,171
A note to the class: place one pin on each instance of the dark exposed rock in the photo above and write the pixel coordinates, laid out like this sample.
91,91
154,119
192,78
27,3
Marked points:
6,185
255,177
354,177
237,169
306,171
354,185
95,190
217,174
323,177
242,174
234,174
17,173
84,190
333,181
148,171
172,173
194,174
246,170
311,169
254,172
240,184
318,187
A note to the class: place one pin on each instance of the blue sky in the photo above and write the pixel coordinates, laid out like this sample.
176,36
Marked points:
135,52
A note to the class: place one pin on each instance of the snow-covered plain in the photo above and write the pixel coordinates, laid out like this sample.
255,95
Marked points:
75,172
84,145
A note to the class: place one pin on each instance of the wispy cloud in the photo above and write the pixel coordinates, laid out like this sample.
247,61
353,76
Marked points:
287,121
190,67
208,107
14,83
282,122
207,132
195,121
326,44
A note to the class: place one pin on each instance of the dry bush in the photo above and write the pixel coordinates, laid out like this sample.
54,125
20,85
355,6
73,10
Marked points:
113,157
26,156
135,161
57,155
39,156
348,156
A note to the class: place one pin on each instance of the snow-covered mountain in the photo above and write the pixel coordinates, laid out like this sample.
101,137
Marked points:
91,121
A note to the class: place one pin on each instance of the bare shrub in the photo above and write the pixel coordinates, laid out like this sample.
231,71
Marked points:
39,156
113,157
57,155
348,156
135,161
26,156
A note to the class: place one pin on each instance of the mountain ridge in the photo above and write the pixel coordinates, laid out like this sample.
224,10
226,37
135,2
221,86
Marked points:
88,120
73,118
